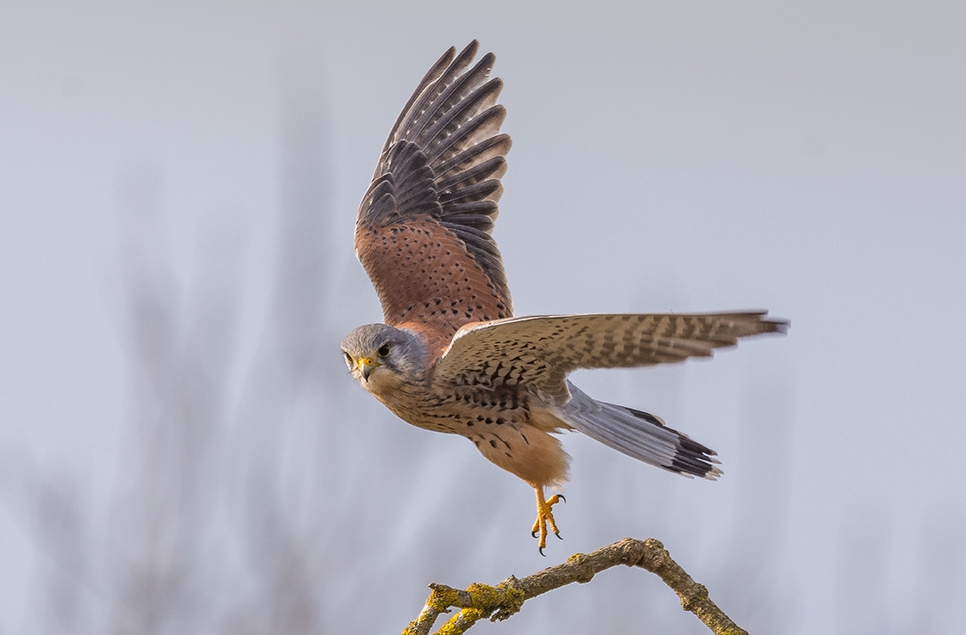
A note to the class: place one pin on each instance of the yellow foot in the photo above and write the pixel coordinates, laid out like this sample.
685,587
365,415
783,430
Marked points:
545,517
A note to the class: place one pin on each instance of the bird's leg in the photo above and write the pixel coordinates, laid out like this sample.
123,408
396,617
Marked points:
544,517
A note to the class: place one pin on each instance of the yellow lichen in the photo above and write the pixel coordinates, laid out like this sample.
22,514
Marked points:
575,558
463,620
512,603
443,597
484,596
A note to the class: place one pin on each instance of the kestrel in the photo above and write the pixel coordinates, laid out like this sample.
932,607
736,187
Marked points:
450,356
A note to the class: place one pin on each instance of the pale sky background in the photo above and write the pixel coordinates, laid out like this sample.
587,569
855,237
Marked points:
174,175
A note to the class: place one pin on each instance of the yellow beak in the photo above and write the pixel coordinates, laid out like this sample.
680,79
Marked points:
366,365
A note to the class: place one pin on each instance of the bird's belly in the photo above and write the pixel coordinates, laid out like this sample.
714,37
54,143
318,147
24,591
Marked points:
504,434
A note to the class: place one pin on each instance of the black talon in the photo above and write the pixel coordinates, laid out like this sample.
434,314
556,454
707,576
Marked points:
533,534
561,497
557,534
540,549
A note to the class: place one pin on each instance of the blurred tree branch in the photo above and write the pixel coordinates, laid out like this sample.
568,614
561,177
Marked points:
499,602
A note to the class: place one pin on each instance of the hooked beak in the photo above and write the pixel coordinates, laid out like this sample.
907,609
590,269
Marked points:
366,366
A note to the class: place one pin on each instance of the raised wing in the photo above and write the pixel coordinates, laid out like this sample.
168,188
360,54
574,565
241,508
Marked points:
539,352
423,231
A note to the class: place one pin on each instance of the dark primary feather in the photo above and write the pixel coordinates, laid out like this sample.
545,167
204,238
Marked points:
431,76
442,162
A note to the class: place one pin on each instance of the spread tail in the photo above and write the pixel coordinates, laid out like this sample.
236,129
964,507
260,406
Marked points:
638,434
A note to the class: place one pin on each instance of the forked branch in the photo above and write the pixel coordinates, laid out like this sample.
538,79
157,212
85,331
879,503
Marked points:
499,602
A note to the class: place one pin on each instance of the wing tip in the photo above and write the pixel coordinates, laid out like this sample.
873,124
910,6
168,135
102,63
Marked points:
470,50
757,321
778,325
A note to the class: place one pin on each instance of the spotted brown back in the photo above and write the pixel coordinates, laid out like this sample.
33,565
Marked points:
423,231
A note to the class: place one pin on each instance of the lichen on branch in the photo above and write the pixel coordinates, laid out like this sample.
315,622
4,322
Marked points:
499,602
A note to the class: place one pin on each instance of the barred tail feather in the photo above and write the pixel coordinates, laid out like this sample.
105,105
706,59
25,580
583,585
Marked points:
638,434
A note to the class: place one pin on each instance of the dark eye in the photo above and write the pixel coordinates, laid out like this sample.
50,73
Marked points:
383,350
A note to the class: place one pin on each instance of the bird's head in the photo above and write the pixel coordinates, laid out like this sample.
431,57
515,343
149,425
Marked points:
382,357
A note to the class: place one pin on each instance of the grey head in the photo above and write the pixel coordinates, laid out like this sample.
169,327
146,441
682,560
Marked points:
383,358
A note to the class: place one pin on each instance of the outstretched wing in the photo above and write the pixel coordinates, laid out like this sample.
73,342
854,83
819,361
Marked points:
539,352
423,231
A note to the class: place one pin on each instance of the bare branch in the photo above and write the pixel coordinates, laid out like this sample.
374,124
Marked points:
499,602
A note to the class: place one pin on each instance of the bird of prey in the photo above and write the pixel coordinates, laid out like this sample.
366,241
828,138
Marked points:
450,356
